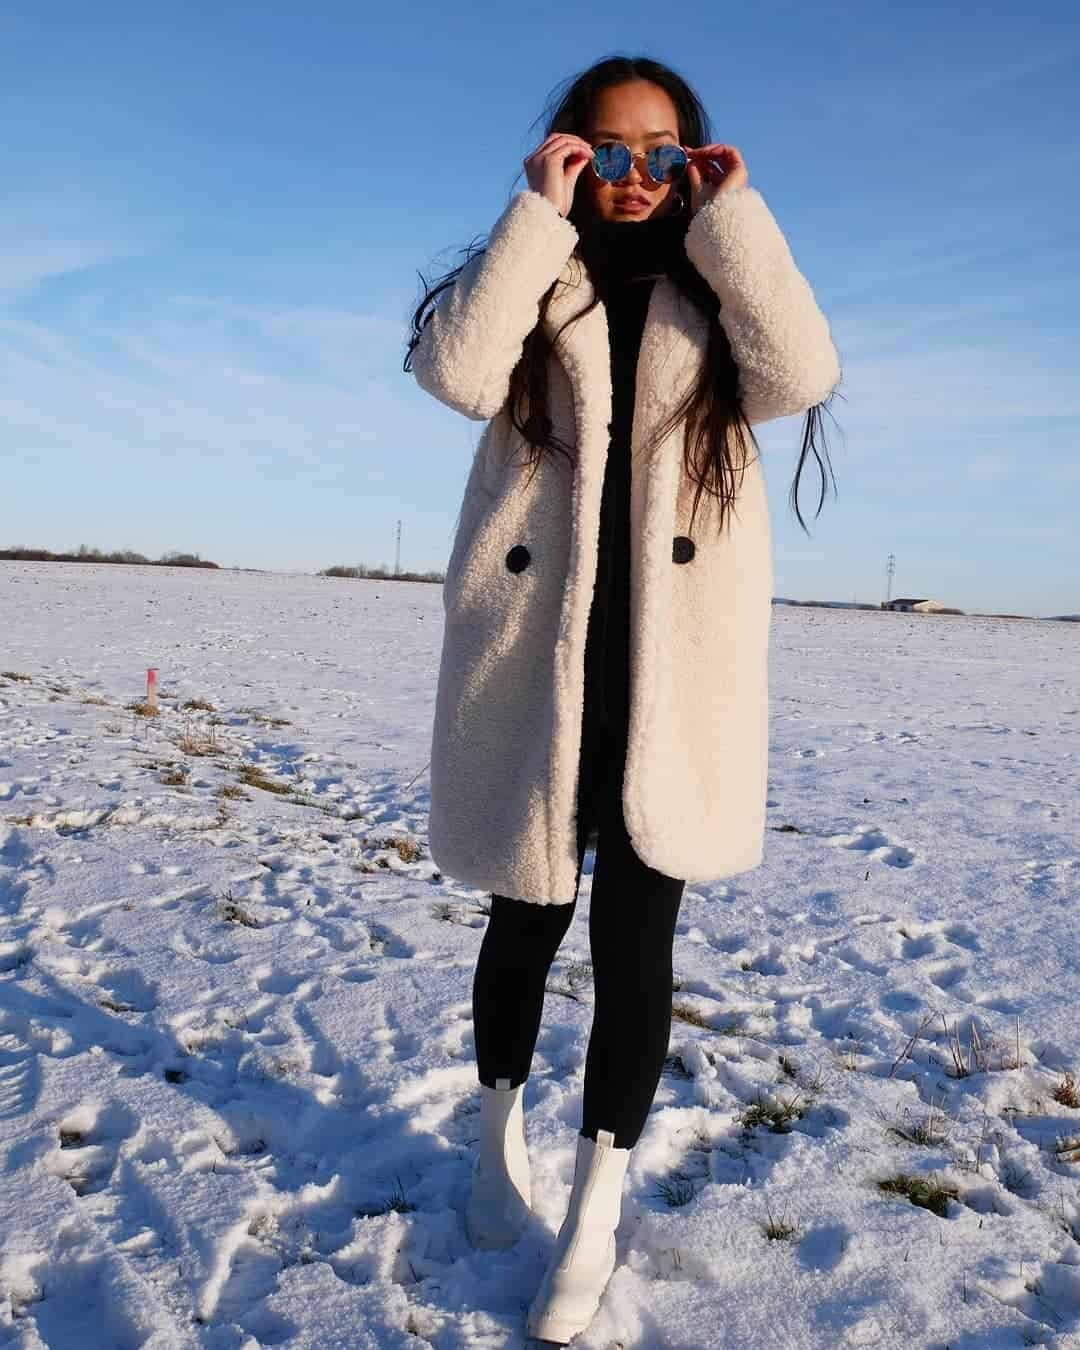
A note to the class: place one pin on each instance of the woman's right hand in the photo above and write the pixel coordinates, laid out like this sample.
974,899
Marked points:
553,168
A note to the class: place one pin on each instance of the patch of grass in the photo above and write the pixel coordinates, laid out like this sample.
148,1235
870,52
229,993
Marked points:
198,742
1067,1092
777,1114
175,775
232,912
396,1204
676,1190
686,1012
98,700
141,708
926,1192
408,850
233,792
17,675
979,1054
197,705
928,1130
776,1227
252,776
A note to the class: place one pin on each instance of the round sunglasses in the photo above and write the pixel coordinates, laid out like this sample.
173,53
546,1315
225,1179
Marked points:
663,163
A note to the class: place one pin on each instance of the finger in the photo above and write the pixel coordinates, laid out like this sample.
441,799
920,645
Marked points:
723,154
562,142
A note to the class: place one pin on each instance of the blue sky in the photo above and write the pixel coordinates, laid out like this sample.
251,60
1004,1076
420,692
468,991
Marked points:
214,217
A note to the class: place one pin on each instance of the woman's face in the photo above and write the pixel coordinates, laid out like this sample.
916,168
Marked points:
642,115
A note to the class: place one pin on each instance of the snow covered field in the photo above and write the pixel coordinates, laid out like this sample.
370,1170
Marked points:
237,1094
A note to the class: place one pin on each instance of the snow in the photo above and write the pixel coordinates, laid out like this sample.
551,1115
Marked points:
237,1093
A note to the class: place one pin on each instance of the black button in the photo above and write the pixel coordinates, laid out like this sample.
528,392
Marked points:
518,558
682,549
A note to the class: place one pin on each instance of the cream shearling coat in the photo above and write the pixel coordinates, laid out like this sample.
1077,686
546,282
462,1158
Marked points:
507,725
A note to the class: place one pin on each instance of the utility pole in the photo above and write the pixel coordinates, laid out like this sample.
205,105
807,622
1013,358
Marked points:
889,570
397,551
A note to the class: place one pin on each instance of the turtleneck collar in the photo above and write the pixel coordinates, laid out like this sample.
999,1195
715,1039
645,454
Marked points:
617,251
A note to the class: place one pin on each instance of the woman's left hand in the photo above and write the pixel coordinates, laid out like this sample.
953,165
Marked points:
714,169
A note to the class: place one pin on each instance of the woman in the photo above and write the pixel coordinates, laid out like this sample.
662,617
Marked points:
603,675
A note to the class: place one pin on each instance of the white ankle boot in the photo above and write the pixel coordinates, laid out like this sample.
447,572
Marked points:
501,1196
584,1255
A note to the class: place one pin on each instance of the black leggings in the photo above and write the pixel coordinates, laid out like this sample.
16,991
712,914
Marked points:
632,917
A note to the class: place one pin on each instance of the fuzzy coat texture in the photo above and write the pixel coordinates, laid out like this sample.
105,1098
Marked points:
507,726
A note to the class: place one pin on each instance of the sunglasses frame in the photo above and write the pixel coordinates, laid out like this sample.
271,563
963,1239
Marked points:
641,154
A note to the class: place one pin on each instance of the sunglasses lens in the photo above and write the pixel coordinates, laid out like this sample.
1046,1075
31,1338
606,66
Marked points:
612,161
666,162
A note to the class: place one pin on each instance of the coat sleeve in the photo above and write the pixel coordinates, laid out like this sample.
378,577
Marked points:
473,339
779,337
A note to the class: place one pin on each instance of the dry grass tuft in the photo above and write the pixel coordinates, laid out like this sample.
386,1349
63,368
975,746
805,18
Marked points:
777,1113
232,912
408,850
252,776
397,1204
926,1192
980,1052
686,1012
197,705
142,709
1067,1092
198,742
17,675
928,1130
776,1227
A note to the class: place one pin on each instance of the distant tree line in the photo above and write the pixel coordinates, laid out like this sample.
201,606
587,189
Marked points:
20,553
380,574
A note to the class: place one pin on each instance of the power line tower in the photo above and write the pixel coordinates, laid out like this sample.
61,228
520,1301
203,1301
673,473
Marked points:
397,551
890,568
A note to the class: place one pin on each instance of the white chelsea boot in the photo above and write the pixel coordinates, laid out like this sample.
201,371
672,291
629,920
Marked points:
501,1197
584,1255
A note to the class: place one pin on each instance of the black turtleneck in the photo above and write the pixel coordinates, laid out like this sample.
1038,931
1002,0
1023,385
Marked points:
624,258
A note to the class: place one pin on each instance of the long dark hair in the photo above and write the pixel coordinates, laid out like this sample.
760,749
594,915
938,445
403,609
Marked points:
716,424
